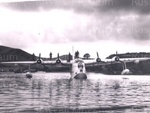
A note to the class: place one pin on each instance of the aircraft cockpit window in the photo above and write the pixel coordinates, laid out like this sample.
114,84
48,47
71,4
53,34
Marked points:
80,65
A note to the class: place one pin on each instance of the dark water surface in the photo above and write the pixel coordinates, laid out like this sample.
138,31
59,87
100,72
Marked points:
54,93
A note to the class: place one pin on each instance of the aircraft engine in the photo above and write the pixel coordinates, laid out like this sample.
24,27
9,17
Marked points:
58,61
39,61
98,60
116,58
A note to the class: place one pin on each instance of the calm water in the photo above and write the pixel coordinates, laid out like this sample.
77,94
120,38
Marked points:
54,93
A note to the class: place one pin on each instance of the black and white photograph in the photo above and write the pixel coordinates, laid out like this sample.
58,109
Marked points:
74,56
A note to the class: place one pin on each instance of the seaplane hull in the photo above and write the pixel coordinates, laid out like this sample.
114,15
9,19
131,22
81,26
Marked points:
80,76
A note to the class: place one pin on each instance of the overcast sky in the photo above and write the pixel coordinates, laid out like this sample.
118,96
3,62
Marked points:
55,26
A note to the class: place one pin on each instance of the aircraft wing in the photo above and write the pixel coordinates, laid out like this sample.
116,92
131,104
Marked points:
96,63
28,62
19,62
115,61
40,61
57,62
34,62
126,60
134,59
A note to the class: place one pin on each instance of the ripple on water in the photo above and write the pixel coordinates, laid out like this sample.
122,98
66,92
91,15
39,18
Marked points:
54,92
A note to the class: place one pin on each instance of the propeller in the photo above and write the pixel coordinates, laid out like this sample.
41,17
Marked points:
116,52
98,59
97,55
50,56
117,57
58,56
39,56
58,61
39,60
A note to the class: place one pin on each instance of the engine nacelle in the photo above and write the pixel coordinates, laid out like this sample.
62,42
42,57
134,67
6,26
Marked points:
39,61
58,61
117,58
98,60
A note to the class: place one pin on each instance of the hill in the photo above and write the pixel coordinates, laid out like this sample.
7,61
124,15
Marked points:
14,54
130,55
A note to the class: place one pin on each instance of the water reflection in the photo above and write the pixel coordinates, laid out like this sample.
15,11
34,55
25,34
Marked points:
49,91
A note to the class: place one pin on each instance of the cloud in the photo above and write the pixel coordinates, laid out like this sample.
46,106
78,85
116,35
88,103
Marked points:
83,6
57,22
136,6
46,5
